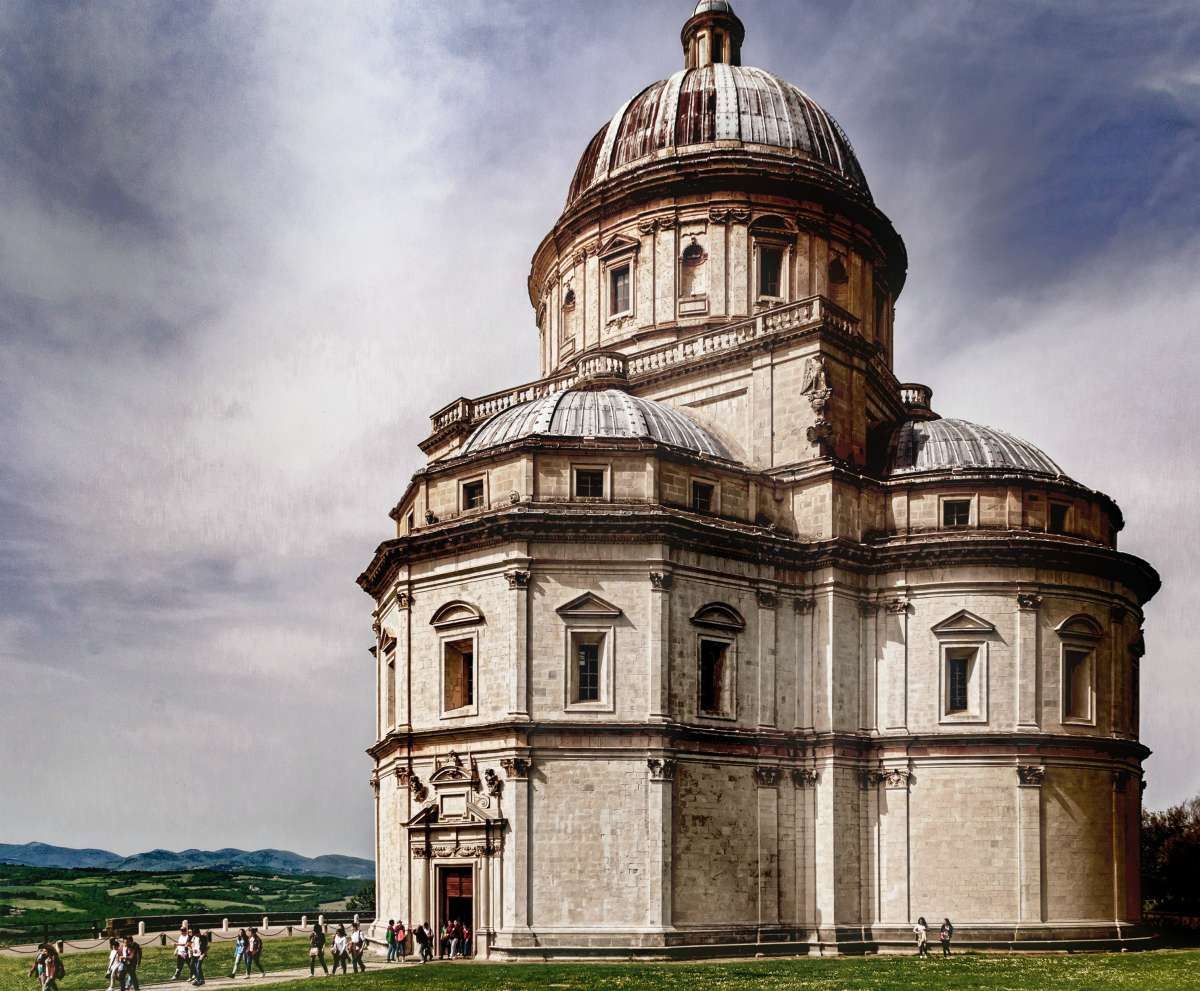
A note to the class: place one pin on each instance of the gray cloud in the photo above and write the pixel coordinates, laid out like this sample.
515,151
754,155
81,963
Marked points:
248,248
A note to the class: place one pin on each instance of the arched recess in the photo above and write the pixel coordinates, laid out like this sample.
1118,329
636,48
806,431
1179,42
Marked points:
456,613
719,616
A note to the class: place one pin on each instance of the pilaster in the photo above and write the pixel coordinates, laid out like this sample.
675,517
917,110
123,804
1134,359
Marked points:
804,625
1031,852
767,779
660,792
518,798
768,601
805,781
518,583
658,647
1029,668
894,681
895,907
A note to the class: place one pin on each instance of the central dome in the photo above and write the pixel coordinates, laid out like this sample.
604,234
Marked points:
592,413
721,106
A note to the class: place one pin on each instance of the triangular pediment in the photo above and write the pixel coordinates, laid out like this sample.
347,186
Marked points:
964,621
589,606
617,245
450,774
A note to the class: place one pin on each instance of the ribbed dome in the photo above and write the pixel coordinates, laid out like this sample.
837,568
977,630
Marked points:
595,413
719,103
948,444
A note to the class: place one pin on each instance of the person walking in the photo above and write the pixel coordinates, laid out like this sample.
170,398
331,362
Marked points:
945,935
181,951
465,936
424,937
389,936
358,946
239,949
254,946
921,931
47,967
316,950
114,962
401,937
197,951
453,938
131,960
340,949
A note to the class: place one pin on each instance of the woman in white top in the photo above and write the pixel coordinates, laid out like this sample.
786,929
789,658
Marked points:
921,931
341,949
114,963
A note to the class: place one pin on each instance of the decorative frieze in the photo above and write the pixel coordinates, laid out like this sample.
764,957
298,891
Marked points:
805,777
766,776
725,215
516,768
1031,775
1029,600
661,768
517,579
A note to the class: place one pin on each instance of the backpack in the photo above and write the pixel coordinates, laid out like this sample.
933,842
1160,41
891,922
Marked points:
60,969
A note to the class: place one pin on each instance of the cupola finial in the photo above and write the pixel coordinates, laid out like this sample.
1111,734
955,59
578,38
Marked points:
713,33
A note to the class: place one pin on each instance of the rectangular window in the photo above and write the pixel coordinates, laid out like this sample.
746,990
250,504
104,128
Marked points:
958,673
1058,517
412,522
956,512
589,483
472,494
702,497
618,290
1077,684
713,674
458,668
390,674
587,674
589,680
770,268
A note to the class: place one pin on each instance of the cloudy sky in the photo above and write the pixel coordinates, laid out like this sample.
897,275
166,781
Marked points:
249,247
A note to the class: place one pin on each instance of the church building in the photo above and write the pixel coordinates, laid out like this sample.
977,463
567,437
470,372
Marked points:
717,638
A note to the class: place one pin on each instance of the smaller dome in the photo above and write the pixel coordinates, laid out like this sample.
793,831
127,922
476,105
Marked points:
713,6
595,413
948,445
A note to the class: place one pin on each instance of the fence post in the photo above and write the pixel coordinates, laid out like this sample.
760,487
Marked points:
321,920
304,922
141,929
266,922
224,925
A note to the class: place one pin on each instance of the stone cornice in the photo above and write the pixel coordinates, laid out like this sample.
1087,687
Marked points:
788,747
592,523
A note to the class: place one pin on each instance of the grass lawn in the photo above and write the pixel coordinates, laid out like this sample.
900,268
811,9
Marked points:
1165,970
85,971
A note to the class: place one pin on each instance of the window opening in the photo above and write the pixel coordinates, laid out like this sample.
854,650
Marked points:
589,483
712,676
618,293
958,676
702,497
587,675
770,266
1058,517
956,512
1077,685
472,494
459,673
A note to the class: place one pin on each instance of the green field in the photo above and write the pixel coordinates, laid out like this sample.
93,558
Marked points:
1165,970
37,896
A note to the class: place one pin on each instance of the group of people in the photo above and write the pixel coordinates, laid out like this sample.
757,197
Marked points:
124,958
48,967
945,934
452,942
346,947
191,950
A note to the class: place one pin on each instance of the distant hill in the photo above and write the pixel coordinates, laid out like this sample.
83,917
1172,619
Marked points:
227,859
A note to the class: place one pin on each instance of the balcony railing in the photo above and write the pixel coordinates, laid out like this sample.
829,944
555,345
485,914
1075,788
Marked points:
649,363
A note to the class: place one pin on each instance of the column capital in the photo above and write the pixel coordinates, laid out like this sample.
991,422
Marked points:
766,776
661,768
517,580
1031,775
805,777
767,598
1028,600
516,768
661,581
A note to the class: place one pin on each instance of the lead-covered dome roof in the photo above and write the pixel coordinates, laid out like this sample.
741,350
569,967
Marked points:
722,104
931,445
595,413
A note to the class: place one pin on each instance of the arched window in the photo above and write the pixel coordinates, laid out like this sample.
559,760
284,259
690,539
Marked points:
716,659
1080,635
458,642
566,324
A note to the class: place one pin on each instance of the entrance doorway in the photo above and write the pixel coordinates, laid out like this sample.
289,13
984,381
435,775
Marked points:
456,900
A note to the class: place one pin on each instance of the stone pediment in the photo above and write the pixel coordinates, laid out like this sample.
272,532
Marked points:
453,810
1080,626
618,245
589,606
963,621
455,614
